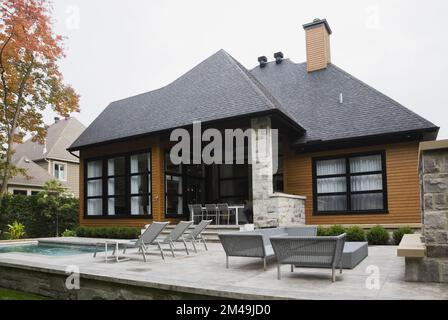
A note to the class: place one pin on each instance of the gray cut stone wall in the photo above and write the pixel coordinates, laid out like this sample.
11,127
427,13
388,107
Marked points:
434,193
434,175
270,210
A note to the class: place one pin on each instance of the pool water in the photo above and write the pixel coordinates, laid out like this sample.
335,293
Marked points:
47,249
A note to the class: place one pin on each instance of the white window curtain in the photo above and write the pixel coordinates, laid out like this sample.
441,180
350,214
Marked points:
111,167
367,201
367,183
331,185
94,169
366,164
111,205
331,167
94,188
95,207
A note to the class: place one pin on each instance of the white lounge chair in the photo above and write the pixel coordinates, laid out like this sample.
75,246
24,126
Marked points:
148,238
177,235
196,234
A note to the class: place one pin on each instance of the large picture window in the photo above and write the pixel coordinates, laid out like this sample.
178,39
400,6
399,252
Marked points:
119,186
350,184
173,188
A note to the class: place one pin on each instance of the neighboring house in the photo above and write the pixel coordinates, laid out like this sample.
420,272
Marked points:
49,161
349,149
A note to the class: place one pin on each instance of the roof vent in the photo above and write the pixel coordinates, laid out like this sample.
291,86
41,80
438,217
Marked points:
278,57
263,61
56,119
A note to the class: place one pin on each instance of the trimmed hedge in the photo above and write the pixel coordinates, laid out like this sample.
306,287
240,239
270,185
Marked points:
378,236
335,230
356,234
38,216
108,233
399,233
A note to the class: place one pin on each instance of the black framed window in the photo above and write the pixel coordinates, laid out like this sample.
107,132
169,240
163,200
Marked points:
350,184
119,185
173,188
233,183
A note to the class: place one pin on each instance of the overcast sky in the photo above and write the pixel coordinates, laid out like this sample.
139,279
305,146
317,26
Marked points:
116,49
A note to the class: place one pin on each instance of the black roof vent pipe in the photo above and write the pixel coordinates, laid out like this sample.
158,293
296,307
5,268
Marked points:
278,57
263,61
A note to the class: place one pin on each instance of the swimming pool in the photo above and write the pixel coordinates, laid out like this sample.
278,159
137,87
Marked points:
47,249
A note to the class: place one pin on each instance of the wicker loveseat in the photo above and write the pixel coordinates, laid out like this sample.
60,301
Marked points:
257,244
310,252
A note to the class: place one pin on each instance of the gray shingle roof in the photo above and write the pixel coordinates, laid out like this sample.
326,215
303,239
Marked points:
217,88
36,175
313,98
60,136
220,87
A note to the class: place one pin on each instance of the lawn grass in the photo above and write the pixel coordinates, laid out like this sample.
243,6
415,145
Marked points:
6,294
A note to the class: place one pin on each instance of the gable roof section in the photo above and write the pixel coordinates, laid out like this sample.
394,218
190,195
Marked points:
60,136
314,99
218,88
37,176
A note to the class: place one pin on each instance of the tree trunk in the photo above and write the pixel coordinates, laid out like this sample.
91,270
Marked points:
5,178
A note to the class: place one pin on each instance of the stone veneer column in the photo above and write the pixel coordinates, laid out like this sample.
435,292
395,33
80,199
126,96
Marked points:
262,178
434,173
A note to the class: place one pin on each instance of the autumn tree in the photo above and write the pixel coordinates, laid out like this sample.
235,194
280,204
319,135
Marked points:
30,81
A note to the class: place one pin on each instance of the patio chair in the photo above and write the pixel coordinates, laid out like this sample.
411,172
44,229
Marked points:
196,234
211,211
148,238
223,212
196,212
176,235
309,252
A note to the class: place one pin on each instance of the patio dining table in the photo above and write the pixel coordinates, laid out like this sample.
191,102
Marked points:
234,208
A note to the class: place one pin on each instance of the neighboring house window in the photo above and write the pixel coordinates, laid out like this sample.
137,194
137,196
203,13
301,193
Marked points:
350,184
20,192
60,171
34,193
119,185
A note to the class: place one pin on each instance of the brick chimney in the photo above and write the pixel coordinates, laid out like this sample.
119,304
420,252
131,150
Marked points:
318,54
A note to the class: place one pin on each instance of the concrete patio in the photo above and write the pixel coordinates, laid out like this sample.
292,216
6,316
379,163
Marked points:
204,275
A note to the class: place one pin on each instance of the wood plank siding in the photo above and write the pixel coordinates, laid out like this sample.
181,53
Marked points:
402,185
317,48
158,185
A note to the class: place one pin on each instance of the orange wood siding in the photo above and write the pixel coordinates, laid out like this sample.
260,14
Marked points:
157,172
402,185
317,48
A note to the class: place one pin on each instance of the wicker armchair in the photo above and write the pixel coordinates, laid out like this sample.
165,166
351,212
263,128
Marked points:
309,252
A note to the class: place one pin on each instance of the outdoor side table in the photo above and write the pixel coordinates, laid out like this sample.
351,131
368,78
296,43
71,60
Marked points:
110,244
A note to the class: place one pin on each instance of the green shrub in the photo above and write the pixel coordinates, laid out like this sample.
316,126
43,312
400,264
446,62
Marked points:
16,230
321,231
378,236
37,214
399,233
69,233
335,230
108,233
356,234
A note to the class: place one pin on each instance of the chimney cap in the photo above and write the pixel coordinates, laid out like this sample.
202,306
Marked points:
278,57
263,61
317,22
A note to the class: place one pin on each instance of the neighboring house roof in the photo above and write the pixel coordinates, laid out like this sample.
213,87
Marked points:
221,88
218,88
60,136
37,176
314,98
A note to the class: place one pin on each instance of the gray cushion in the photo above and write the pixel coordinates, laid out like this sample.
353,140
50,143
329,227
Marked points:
354,253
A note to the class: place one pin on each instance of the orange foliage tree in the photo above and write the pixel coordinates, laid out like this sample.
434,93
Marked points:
30,81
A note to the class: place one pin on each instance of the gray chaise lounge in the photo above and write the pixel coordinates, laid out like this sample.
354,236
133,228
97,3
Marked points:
309,252
256,244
